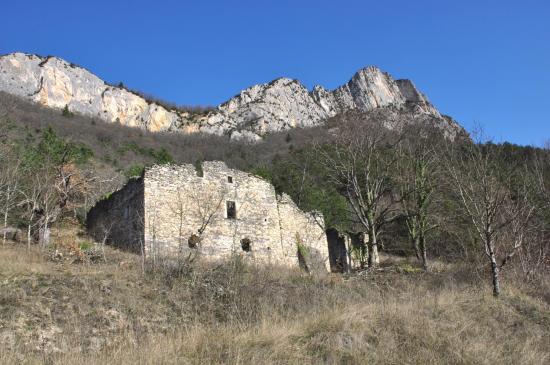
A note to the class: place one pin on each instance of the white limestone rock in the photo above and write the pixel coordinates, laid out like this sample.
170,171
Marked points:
55,83
282,104
245,136
260,109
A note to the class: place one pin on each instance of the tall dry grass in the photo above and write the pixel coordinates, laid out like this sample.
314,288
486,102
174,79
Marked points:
236,313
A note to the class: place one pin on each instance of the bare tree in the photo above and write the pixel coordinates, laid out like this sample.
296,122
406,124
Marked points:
199,204
535,250
416,175
485,188
10,179
359,162
205,205
106,233
48,205
31,193
65,188
178,208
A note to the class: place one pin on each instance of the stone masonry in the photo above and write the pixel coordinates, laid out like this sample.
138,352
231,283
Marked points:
215,212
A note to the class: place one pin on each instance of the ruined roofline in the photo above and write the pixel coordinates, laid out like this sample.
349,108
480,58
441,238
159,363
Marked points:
204,166
216,165
284,198
106,198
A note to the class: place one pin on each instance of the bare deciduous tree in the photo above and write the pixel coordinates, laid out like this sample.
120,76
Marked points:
206,205
199,204
535,249
416,175
359,163
31,193
491,201
48,205
10,179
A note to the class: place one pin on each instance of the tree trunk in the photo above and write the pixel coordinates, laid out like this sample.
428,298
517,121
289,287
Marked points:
44,235
494,271
416,246
347,244
5,226
364,249
29,229
374,259
29,237
424,256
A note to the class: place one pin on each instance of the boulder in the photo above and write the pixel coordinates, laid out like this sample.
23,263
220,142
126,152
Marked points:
12,234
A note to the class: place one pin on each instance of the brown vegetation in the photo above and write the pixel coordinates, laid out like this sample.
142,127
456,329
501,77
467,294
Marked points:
116,147
112,312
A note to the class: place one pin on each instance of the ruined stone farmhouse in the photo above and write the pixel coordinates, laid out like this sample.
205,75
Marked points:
212,211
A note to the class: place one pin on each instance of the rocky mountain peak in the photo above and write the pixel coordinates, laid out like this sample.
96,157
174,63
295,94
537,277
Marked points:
281,104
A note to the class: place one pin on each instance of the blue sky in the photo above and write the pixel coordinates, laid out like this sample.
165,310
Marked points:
482,62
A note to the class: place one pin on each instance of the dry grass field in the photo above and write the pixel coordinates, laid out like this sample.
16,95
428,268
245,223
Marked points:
57,311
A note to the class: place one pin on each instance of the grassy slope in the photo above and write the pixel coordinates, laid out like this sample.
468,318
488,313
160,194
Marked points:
237,314
117,147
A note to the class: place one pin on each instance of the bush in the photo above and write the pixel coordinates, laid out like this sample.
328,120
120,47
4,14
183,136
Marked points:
66,112
85,245
135,170
161,156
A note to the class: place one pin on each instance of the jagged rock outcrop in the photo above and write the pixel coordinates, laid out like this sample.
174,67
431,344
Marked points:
279,105
56,83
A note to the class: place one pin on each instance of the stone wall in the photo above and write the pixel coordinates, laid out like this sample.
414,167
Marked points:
179,204
119,217
173,207
306,229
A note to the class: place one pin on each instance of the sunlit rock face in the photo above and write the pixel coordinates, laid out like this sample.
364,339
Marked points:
279,105
56,83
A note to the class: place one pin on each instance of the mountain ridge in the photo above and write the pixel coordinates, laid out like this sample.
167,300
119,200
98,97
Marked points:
281,104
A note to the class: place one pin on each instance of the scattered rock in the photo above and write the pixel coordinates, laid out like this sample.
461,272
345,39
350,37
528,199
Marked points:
12,234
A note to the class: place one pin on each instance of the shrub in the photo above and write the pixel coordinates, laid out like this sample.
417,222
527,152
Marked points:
84,246
161,156
134,170
66,112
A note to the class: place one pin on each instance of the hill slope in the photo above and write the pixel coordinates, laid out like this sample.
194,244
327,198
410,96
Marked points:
113,312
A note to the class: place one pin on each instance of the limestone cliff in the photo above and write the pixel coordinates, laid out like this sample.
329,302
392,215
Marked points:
279,105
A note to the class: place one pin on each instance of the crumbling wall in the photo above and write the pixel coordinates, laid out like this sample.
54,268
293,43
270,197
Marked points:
118,219
303,229
213,212
179,204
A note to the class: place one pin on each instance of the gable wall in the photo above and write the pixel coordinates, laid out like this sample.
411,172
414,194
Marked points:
178,202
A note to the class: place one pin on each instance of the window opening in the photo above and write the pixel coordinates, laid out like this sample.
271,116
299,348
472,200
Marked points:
231,210
246,244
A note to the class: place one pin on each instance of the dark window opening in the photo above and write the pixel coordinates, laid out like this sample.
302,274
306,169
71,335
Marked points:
230,179
231,210
246,244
